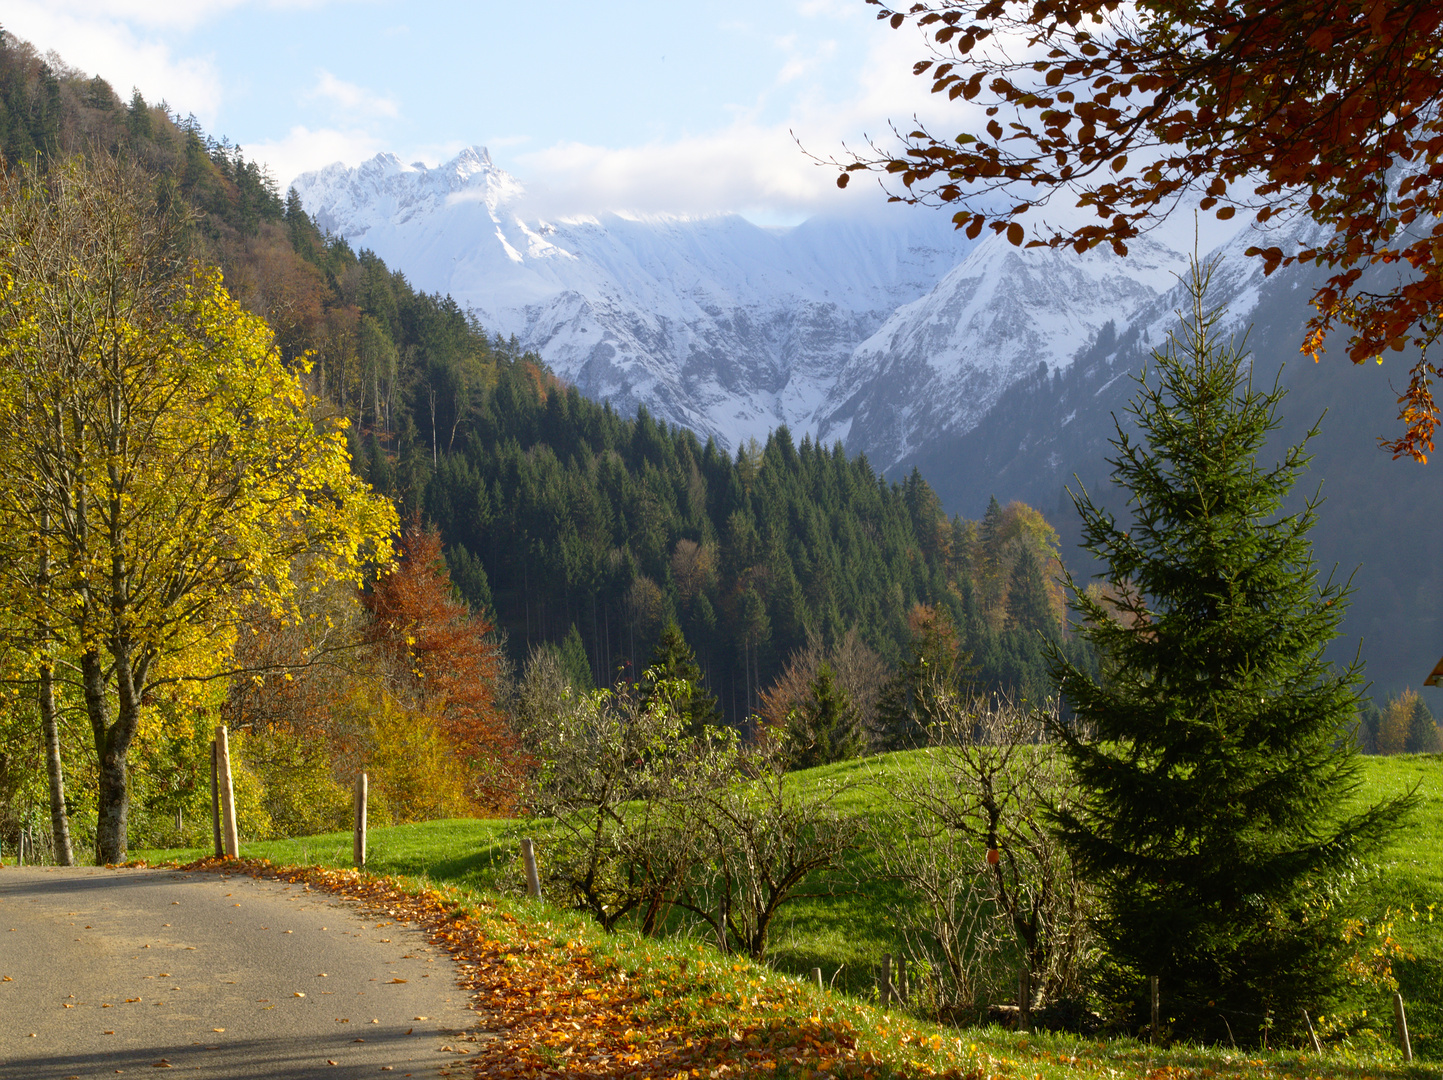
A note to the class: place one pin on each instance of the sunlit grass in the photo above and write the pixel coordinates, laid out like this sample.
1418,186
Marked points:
846,930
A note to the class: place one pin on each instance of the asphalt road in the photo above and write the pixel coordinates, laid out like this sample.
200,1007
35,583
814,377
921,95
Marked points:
106,972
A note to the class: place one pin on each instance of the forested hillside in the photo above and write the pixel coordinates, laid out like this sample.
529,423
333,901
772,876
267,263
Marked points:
557,512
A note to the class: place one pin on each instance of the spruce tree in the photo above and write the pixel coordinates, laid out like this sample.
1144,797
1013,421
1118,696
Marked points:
1028,607
673,659
575,664
826,727
1209,751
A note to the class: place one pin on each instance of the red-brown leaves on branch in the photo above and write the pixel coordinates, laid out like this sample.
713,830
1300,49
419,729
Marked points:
1329,108
442,661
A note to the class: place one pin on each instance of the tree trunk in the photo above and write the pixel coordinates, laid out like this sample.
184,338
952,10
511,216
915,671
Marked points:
59,819
113,796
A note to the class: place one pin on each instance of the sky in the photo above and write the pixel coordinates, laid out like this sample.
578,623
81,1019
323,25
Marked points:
649,107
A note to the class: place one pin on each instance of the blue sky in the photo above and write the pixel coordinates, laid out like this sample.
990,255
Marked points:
642,106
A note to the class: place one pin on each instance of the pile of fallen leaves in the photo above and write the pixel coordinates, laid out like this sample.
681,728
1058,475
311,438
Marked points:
563,1007
556,997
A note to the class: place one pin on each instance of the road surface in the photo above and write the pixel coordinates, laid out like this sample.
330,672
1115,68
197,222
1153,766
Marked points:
112,972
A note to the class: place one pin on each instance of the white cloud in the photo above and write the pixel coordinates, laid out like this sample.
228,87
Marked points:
750,166
304,149
113,49
168,14
353,99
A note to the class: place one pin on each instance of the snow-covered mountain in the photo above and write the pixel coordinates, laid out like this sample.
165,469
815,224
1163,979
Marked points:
993,370
885,332
714,323
939,363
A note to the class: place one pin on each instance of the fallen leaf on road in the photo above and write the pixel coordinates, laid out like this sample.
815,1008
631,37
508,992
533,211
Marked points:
217,1029
7,978
329,1061
299,994
398,980
108,1033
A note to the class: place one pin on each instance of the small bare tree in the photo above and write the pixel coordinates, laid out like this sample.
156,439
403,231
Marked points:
971,837
762,835
639,818
612,790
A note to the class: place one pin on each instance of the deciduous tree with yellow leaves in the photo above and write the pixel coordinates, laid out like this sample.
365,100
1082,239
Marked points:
163,470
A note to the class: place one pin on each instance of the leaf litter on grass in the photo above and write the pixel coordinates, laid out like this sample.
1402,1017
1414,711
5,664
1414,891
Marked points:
558,998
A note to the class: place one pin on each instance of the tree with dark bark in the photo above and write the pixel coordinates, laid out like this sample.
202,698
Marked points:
162,470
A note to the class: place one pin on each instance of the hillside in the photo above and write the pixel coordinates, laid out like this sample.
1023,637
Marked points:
558,512
847,930
1377,522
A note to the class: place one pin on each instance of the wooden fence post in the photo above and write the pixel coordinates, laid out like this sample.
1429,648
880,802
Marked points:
229,835
1152,989
886,980
1317,1046
533,876
215,800
358,840
1401,1015
817,974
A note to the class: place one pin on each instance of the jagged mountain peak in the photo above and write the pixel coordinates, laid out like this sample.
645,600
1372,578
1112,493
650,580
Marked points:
352,201
884,331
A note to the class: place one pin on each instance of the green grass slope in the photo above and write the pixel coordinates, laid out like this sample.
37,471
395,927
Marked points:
848,923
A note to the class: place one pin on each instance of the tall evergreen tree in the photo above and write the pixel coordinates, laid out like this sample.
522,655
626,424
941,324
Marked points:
1214,777
936,666
1027,605
673,659
575,664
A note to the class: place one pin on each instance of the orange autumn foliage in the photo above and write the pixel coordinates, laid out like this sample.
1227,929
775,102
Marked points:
442,662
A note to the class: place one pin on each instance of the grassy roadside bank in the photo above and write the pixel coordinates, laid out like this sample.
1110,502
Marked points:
571,1001
846,933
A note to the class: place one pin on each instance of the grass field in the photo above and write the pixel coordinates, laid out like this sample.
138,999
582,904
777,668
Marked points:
846,932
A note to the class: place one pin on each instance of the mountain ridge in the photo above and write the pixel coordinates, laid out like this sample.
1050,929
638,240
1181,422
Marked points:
731,329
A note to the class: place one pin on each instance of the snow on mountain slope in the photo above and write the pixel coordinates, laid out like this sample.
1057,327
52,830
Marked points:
886,332
939,363
714,323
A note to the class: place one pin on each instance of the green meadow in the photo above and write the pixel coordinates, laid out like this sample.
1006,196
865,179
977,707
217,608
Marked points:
850,921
